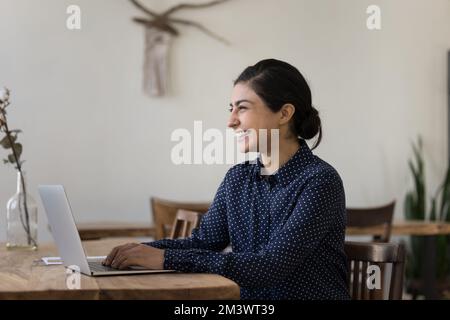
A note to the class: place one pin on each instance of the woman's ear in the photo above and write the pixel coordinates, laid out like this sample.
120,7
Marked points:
287,112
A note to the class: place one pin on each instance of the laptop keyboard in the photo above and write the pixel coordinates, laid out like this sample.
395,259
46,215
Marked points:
97,266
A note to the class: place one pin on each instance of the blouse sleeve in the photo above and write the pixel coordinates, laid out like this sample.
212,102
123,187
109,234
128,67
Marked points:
212,234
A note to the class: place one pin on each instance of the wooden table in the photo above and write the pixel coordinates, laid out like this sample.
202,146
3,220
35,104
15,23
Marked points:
429,231
21,277
405,228
108,229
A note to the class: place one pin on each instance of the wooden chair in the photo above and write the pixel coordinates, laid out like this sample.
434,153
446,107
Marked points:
165,212
185,222
371,217
361,255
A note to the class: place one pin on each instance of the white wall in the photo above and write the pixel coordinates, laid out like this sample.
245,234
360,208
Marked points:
77,95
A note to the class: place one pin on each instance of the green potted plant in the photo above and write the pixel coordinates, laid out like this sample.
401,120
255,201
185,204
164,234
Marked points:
415,207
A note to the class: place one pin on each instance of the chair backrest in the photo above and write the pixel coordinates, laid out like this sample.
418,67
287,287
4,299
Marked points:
185,222
371,217
362,255
165,211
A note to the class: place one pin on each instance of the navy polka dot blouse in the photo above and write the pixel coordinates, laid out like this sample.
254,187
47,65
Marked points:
286,232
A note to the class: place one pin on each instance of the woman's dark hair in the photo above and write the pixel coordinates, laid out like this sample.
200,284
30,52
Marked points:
278,83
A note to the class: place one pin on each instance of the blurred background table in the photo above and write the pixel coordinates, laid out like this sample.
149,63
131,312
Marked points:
113,229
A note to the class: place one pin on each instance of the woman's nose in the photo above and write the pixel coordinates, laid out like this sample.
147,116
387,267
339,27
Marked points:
233,121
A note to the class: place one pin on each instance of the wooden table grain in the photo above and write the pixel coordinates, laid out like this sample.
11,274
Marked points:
112,229
23,277
403,228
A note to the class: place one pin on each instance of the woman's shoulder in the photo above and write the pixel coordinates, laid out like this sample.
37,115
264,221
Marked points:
321,171
242,170
317,170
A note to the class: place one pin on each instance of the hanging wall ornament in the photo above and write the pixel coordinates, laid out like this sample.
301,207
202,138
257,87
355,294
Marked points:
159,31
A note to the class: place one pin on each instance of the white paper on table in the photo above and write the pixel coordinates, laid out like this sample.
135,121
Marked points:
57,260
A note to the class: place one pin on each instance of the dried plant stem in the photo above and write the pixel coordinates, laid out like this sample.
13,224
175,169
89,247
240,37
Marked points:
26,226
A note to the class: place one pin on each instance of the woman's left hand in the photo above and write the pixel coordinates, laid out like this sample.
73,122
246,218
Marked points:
135,254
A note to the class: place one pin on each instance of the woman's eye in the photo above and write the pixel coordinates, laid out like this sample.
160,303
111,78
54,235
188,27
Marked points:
238,107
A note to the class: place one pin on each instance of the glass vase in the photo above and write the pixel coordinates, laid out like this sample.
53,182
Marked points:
21,218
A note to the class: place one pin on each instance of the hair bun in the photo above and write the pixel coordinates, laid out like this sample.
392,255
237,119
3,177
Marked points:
311,124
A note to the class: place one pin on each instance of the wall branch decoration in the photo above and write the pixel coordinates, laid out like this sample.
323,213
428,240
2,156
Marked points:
159,32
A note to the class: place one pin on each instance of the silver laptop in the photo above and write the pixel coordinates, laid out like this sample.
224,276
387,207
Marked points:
68,240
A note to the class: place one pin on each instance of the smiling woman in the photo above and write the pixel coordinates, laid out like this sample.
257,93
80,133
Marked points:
285,222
